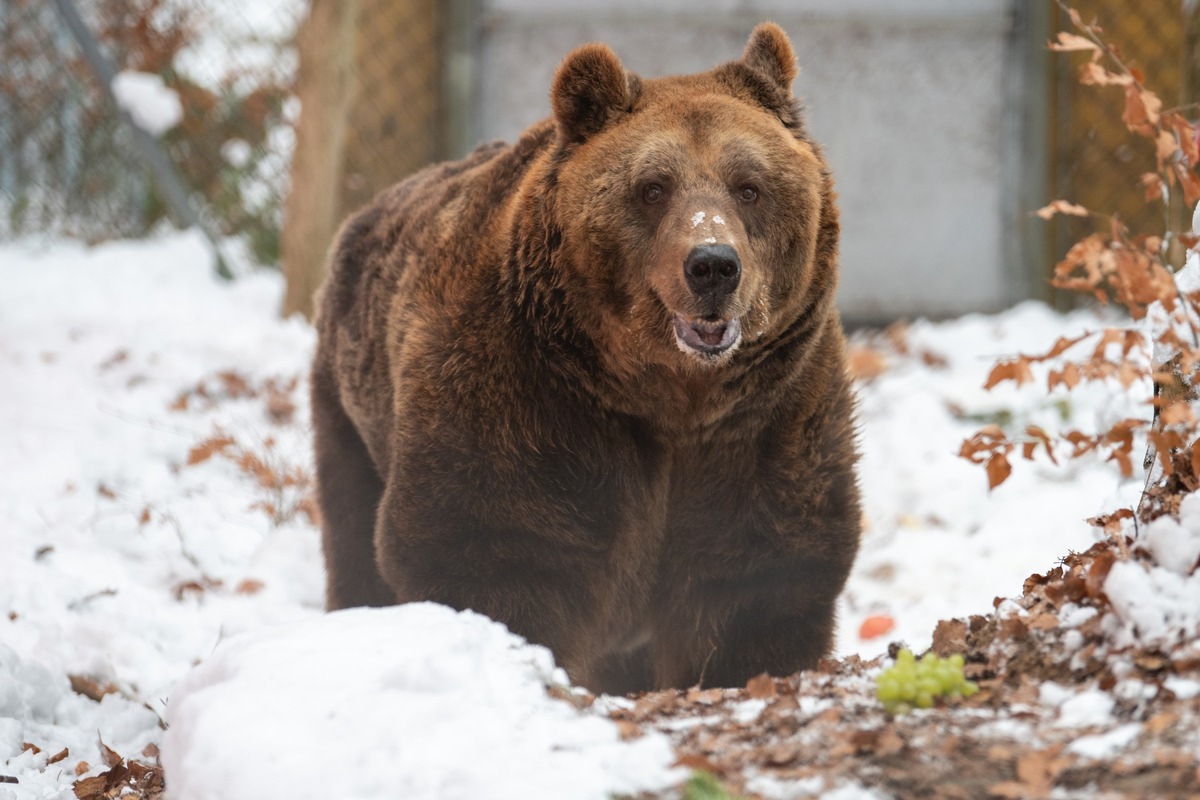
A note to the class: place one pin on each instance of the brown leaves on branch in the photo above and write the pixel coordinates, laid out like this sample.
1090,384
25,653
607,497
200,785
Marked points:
990,446
1111,358
1115,265
1131,271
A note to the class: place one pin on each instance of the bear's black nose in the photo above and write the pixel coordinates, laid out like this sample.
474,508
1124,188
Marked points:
712,270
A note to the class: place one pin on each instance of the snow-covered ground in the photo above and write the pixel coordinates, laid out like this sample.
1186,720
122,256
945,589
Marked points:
154,458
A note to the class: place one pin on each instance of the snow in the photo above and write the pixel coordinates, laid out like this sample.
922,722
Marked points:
1183,688
1154,606
1175,545
1108,744
1053,694
773,788
1091,707
855,791
154,107
125,563
936,537
455,707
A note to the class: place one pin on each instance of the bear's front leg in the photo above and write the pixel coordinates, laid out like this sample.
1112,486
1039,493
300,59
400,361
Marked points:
550,589
722,632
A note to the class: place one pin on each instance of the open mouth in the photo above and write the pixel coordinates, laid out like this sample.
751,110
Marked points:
707,338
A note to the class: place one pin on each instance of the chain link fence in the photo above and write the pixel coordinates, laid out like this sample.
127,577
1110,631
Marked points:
69,167
399,126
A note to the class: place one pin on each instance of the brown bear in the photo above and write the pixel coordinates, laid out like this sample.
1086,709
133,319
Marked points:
593,384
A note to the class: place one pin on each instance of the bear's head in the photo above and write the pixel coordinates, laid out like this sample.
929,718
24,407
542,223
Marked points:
694,209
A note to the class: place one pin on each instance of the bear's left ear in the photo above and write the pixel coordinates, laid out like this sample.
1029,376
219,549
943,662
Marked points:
770,52
589,88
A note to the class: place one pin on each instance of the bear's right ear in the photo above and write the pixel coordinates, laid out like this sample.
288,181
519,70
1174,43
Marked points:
590,87
770,53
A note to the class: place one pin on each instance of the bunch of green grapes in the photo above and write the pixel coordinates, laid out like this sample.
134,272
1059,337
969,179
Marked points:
911,683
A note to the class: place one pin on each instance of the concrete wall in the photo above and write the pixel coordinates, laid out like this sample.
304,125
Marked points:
916,103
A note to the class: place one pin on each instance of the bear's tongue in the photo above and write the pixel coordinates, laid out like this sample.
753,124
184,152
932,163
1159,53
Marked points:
707,337
711,333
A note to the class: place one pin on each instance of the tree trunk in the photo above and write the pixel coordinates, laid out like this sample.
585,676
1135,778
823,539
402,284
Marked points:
394,121
370,114
325,89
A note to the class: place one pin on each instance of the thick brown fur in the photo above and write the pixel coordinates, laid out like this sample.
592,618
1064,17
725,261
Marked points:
515,413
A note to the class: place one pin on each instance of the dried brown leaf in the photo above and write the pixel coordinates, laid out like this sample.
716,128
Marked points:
1186,135
280,407
1097,573
1196,458
1152,187
1175,413
986,440
761,687
110,756
998,470
1071,43
1142,109
1069,376
1016,370
865,363
92,788
949,637
1189,181
235,384
1165,148
208,448
249,586
705,697
1061,207
1092,74
90,687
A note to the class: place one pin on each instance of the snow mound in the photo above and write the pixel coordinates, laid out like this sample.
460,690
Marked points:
1157,600
416,701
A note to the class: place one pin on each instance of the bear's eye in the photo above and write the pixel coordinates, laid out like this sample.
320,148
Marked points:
748,194
652,192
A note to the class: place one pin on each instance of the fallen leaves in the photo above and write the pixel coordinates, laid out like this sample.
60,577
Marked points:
230,385
91,688
206,449
287,488
122,778
761,687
